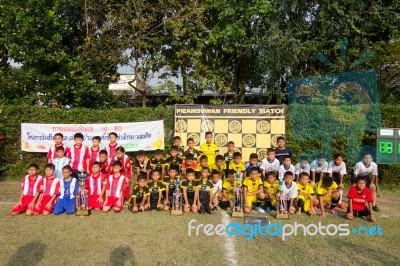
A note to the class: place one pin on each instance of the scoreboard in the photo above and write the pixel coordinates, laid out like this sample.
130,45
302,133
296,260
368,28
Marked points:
388,146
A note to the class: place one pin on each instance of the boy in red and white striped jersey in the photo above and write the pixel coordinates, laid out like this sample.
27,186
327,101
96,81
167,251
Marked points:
115,189
79,155
50,188
58,142
30,190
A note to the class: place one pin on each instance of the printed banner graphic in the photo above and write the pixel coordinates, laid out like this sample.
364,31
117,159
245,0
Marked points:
253,128
131,136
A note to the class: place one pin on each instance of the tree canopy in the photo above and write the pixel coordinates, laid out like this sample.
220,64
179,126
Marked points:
68,51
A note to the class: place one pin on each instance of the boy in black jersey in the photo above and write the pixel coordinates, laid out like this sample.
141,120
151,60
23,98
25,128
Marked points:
156,188
205,187
169,184
140,196
190,192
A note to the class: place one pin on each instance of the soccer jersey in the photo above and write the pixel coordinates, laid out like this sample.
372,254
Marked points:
205,188
69,189
358,199
158,165
270,166
195,153
106,166
281,153
154,190
59,163
193,165
126,162
282,169
52,154
143,166
228,187
170,184
271,188
300,169
237,167
305,189
115,185
315,167
50,186
94,183
31,186
228,156
333,168
361,170
217,186
249,166
290,192
94,155
221,169
190,188
111,150
209,150
140,192
174,161
252,186
79,155
321,191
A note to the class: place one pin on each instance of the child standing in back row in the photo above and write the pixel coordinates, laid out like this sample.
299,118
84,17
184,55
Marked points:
209,148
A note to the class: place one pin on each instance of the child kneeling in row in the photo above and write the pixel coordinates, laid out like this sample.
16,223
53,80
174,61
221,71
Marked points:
358,196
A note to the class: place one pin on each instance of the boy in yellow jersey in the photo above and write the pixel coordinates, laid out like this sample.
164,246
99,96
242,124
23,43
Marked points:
327,192
253,191
227,190
237,164
305,198
219,166
271,188
209,149
203,162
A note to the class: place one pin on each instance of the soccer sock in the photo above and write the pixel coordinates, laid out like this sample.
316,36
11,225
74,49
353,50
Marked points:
300,203
333,204
341,195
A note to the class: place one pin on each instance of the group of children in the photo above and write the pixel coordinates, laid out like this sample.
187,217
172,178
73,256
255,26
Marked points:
208,180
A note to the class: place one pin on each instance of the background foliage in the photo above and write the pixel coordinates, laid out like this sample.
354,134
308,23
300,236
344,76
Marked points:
15,115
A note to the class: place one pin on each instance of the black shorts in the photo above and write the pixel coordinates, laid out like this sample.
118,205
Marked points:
191,201
336,177
153,205
362,213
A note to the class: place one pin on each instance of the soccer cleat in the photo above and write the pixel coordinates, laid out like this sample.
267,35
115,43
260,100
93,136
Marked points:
268,209
333,211
260,210
341,206
208,209
376,209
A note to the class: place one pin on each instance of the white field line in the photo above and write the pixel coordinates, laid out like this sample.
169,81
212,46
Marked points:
229,243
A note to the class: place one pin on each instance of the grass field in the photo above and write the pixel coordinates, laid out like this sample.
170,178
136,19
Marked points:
156,238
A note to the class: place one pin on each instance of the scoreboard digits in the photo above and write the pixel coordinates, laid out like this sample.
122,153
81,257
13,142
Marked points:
388,146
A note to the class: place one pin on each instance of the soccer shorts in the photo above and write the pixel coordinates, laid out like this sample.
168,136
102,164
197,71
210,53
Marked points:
93,203
306,202
26,200
362,213
251,199
190,201
43,204
64,205
138,202
336,177
113,201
